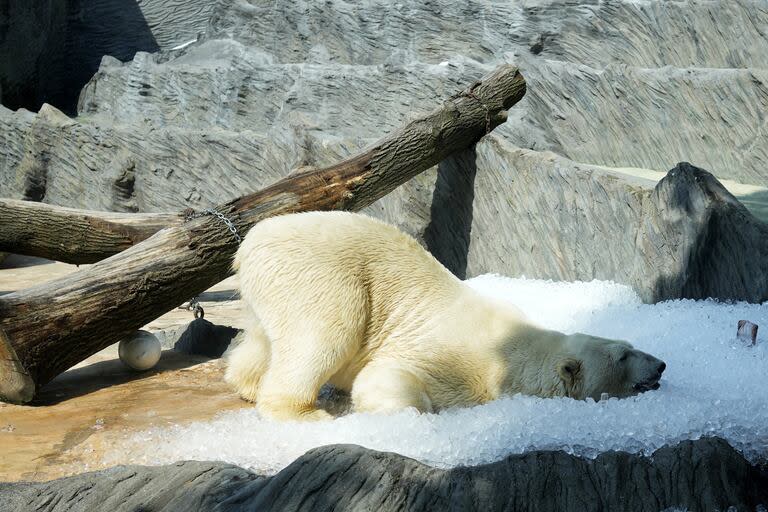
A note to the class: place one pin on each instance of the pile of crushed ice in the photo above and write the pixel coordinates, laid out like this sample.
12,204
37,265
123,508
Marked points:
714,385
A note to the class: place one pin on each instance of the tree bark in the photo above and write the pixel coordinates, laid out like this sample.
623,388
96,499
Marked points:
53,326
74,236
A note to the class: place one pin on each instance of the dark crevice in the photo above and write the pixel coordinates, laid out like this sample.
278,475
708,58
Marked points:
35,176
124,189
49,49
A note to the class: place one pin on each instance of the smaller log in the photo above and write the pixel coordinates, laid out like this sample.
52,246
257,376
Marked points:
15,382
74,236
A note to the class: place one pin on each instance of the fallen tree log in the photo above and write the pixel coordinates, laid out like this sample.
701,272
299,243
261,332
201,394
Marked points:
49,328
71,235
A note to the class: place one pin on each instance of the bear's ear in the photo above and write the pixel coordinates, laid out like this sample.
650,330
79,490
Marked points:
570,371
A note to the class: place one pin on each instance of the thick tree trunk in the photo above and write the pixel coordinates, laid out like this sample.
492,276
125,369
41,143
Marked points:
74,236
51,327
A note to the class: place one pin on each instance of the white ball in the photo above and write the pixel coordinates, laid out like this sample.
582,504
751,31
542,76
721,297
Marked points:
141,351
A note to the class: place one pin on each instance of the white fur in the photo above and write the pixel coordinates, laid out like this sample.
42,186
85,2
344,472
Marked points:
343,298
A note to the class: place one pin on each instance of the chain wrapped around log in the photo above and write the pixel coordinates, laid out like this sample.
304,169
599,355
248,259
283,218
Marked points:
47,329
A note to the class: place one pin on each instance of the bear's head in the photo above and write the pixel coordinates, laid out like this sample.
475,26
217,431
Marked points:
592,366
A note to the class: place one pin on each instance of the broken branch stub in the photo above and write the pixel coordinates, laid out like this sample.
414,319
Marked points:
53,326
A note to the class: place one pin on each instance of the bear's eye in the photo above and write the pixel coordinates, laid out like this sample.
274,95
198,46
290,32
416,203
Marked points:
624,357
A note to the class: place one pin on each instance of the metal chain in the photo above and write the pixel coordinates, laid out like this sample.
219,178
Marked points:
471,94
191,214
195,307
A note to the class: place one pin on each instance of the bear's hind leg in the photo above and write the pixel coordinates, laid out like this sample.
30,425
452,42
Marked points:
247,362
316,318
290,387
385,388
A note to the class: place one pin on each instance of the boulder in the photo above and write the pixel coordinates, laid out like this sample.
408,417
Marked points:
201,337
545,217
707,474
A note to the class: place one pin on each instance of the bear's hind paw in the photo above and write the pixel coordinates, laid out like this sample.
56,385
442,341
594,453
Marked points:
302,414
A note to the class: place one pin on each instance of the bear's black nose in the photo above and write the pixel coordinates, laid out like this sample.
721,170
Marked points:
662,367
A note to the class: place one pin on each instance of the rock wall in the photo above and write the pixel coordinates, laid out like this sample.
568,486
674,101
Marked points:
619,116
695,475
497,208
273,85
608,80
649,34
549,218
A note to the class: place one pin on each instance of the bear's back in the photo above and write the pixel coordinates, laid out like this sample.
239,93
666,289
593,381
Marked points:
337,236
317,244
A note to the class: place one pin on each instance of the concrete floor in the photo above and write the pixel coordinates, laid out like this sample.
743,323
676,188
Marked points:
85,412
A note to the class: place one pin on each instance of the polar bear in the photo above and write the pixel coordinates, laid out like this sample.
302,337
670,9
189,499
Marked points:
342,298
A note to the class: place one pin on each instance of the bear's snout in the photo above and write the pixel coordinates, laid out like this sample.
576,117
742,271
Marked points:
655,368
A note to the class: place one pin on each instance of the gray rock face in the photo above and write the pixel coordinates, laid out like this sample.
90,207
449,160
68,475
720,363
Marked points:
188,486
649,34
498,208
617,116
227,85
695,475
592,96
83,163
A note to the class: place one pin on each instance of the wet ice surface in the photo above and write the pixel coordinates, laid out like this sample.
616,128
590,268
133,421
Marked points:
713,385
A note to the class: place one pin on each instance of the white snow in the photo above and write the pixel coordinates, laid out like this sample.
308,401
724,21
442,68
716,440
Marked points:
713,385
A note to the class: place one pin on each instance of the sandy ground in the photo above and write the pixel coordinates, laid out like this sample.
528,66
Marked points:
90,407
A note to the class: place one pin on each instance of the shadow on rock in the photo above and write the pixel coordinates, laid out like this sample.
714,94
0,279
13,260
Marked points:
62,44
204,338
447,235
